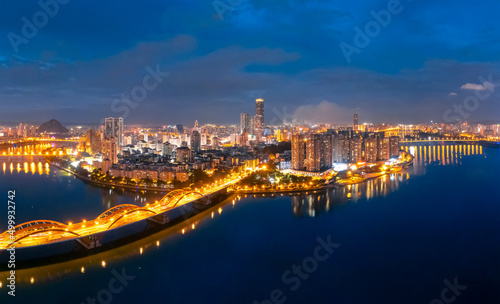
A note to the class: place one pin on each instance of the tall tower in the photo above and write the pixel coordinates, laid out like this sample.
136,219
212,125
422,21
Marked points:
259,118
113,127
355,128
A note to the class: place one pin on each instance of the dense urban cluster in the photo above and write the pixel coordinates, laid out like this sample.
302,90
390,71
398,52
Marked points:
134,154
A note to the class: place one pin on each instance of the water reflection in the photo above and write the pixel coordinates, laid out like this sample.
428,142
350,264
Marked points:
426,154
322,201
35,149
107,259
27,167
303,204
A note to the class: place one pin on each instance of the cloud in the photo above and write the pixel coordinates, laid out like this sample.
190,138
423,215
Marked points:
324,112
452,94
478,87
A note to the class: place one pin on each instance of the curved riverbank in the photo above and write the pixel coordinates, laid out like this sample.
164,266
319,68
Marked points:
329,185
108,184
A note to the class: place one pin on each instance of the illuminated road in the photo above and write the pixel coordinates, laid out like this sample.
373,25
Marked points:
45,231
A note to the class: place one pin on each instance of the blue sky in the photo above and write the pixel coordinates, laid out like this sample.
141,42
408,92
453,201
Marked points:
427,59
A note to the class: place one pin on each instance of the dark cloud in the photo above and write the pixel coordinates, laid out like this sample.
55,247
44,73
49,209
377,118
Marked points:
90,54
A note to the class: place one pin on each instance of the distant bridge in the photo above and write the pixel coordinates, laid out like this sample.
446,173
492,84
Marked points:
437,140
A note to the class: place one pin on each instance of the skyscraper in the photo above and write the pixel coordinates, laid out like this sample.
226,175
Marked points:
298,151
113,127
371,145
394,146
259,118
94,141
195,141
311,152
110,149
355,127
245,123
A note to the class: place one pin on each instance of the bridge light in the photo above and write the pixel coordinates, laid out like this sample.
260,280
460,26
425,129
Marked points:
182,231
103,263
82,269
193,226
140,250
157,243
32,280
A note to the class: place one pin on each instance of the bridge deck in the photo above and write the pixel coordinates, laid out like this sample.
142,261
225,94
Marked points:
44,232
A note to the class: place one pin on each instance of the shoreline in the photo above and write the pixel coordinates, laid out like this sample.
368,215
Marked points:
334,184
110,185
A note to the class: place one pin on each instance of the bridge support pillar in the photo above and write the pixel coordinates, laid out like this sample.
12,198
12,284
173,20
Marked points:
160,218
91,241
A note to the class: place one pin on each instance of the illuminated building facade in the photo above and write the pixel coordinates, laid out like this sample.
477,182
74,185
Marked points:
259,118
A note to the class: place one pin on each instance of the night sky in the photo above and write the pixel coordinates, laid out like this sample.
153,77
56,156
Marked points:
215,57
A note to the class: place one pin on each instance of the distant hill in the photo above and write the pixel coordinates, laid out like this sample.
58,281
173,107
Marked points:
52,126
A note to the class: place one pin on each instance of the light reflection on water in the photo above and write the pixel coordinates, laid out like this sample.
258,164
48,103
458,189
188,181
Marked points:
308,204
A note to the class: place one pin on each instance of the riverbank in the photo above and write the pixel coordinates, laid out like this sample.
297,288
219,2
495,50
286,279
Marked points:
335,184
108,184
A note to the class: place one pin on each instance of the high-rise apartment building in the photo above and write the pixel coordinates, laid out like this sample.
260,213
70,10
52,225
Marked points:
93,141
355,124
245,123
195,141
298,151
384,151
183,154
259,118
311,152
371,148
355,147
113,127
393,146
110,149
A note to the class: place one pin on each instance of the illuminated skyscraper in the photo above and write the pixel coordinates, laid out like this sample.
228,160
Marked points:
298,151
113,127
110,149
355,122
93,139
259,118
371,145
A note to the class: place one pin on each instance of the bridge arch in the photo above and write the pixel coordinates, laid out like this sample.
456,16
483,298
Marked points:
128,212
169,205
114,210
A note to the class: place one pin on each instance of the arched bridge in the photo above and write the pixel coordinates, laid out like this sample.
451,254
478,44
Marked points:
45,231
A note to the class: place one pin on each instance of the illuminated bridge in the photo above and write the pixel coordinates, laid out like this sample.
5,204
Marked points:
437,140
87,233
